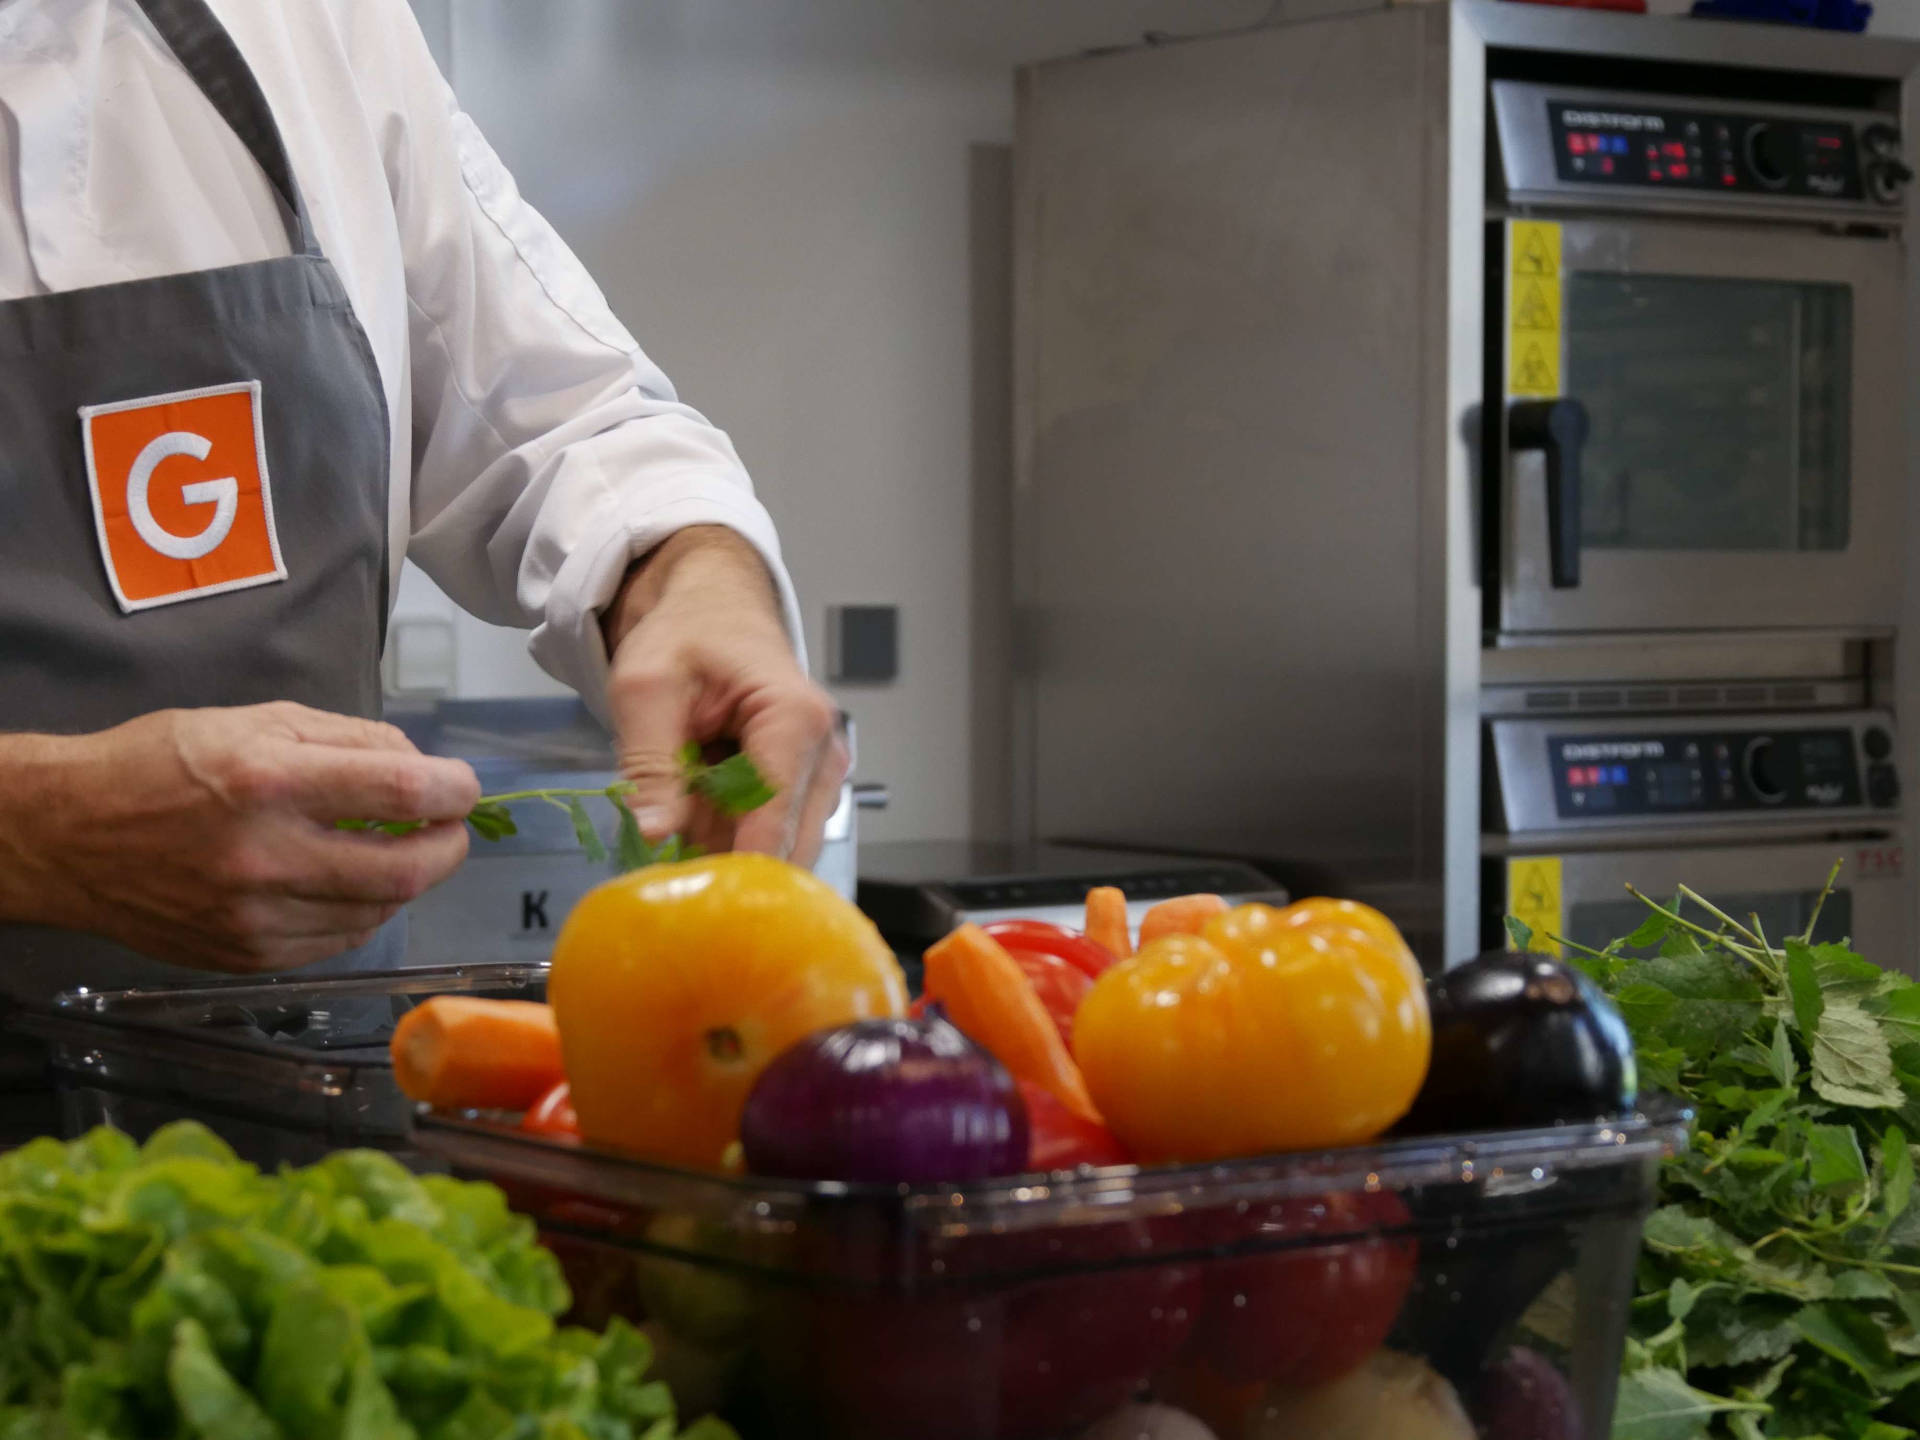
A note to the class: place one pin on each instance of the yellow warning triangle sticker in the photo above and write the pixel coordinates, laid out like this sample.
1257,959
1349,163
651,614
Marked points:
1534,898
1535,256
1535,370
1533,307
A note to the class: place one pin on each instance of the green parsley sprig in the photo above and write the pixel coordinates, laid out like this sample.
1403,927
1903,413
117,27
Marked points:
734,786
1779,1282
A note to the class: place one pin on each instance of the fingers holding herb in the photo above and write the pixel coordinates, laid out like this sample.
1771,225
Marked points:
731,786
378,869
795,735
207,837
655,708
331,783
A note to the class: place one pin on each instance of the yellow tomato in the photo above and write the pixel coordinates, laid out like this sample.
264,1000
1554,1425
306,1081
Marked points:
675,985
1263,1033
1318,913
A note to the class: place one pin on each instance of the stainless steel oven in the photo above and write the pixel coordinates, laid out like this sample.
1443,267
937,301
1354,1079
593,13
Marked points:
1751,811
1696,337
1385,378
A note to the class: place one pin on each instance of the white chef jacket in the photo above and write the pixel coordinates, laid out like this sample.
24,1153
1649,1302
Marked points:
536,451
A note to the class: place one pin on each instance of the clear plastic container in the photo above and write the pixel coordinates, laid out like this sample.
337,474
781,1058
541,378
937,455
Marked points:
284,1069
1376,1293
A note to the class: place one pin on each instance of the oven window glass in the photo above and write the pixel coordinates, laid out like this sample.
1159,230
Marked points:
1719,409
1595,923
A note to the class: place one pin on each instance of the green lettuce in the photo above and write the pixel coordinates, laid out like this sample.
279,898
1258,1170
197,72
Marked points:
169,1289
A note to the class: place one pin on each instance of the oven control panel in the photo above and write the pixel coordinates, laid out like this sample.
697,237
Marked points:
1648,145
1744,768
1610,147
1656,774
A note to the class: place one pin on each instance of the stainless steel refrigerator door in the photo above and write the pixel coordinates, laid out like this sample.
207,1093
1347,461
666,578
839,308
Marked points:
1679,579
1868,905
1233,495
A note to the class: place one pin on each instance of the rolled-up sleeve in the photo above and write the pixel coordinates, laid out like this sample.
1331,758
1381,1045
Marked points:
549,452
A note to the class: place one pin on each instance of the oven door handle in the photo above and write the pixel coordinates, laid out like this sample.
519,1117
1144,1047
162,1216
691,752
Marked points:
1559,427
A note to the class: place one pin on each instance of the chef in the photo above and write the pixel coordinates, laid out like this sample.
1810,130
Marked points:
272,317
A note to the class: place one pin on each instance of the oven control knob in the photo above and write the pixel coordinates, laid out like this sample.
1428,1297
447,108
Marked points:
1883,786
1763,771
1769,156
1876,742
1886,179
1882,141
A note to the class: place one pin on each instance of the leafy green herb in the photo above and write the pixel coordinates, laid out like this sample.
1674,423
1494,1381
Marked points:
634,851
733,786
584,832
492,820
386,827
1779,1289
1658,1404
169,1289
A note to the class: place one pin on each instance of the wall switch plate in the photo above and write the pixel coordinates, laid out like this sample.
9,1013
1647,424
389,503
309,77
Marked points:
421,658
863,644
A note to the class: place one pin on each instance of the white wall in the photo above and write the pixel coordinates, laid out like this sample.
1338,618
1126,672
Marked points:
1898,18
798,206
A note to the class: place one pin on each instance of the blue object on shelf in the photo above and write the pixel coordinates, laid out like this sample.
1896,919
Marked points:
1824,14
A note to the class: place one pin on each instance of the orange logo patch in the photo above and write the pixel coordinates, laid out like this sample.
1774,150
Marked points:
180,496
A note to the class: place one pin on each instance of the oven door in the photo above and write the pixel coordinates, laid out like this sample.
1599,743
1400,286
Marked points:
1780,883
1743,464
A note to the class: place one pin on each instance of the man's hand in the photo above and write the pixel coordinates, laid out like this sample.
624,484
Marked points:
700,653
207,837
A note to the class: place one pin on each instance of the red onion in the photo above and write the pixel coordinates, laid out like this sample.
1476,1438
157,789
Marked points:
885,1101
1525,1398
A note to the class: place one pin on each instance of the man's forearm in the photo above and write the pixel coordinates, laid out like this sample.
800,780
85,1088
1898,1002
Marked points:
34,795
704,554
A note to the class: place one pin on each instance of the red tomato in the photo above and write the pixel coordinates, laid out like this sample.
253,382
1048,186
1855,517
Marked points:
1025,1362
552,1115
1060,986
1056,940
1062,1140
1310,1314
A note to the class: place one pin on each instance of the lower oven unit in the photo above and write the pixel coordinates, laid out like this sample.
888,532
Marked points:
1750,811
1582,895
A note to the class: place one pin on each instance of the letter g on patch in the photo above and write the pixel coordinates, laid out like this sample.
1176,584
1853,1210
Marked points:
182,505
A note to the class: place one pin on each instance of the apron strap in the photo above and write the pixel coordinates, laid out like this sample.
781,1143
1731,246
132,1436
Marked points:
203,46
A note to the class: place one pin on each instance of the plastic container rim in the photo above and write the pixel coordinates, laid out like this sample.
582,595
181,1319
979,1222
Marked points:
1503,1160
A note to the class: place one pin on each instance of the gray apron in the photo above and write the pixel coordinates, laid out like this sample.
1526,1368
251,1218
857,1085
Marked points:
146,566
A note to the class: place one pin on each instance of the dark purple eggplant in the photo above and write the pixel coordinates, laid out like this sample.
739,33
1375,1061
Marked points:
1522,1040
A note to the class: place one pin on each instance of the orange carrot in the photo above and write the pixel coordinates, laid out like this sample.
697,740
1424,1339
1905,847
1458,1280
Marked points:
458,1052
984,993
1107,919
1182,915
